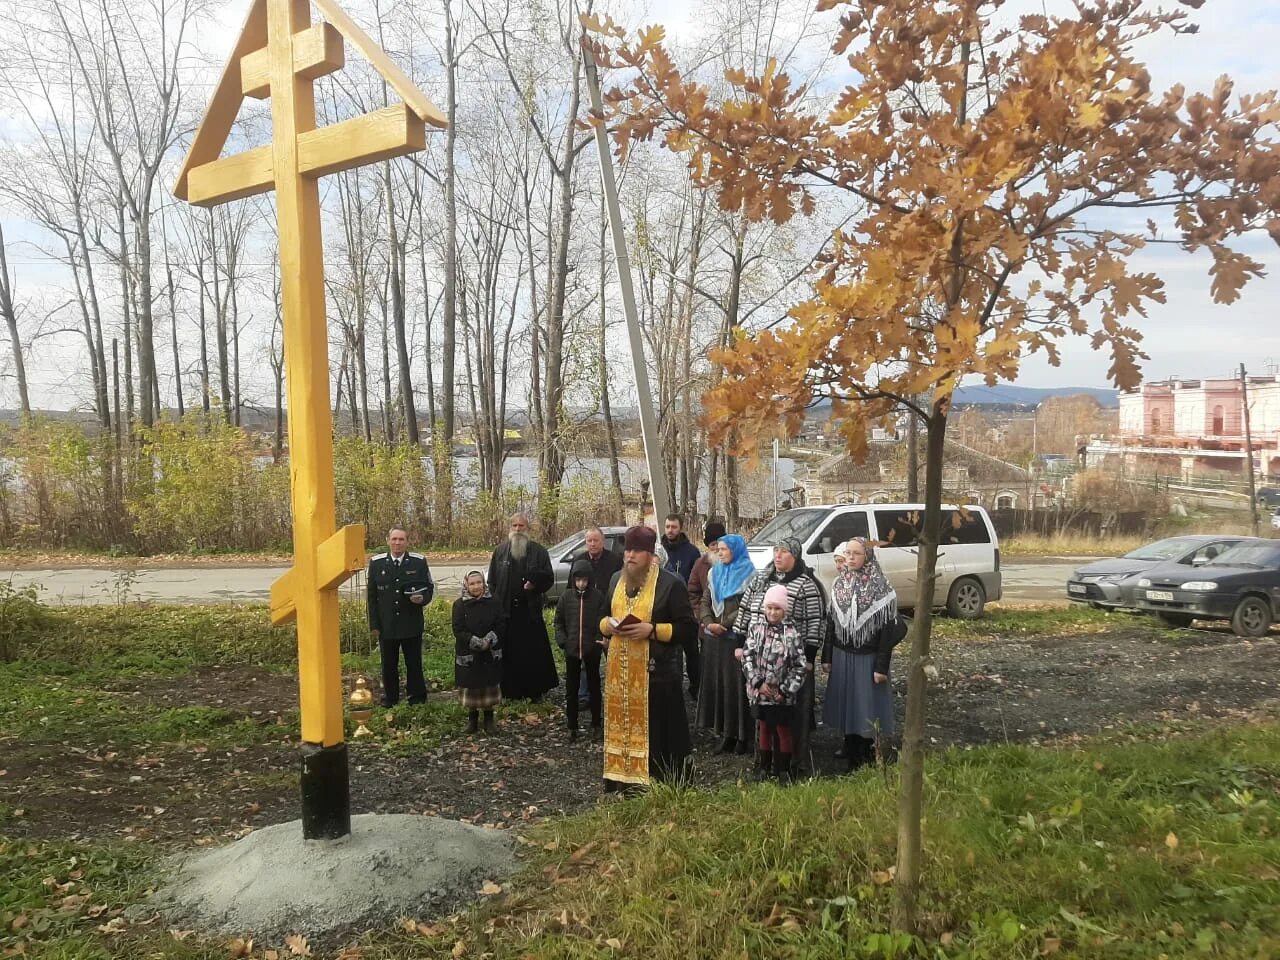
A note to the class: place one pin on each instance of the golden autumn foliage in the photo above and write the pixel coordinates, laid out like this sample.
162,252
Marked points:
997,164
998,169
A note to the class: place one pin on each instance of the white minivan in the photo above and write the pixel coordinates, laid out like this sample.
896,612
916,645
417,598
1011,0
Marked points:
968,555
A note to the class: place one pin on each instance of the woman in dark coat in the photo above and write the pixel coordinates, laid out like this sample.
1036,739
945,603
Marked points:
478,627
722,698
859,700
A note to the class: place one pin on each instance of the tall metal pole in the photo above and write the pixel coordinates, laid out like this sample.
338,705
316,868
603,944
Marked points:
644,395
1248,442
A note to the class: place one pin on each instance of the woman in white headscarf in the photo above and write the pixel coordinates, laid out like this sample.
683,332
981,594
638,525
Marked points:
864,609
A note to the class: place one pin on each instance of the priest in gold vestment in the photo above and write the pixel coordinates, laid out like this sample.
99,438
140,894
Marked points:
646,730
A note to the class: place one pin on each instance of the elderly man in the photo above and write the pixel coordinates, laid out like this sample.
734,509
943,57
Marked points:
604,562
646,731
519,575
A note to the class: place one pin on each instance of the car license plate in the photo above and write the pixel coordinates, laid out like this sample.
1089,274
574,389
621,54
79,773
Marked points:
1077,588
1159,595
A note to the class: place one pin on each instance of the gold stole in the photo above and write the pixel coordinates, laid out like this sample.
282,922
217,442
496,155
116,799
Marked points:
626,687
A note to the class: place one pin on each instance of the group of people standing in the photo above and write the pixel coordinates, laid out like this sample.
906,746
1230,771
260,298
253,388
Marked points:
747,640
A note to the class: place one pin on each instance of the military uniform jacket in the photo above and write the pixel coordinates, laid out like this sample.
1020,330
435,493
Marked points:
391,612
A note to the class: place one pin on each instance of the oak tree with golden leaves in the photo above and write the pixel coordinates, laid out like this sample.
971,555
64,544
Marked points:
998,162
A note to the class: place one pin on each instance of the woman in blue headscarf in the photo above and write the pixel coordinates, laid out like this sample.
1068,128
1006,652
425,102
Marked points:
722,696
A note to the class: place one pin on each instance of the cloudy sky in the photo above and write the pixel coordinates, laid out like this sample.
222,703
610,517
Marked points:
1188,336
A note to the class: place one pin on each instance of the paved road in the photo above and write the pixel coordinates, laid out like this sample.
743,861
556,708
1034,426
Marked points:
1025,580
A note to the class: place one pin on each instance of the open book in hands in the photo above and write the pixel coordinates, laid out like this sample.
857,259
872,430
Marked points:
629,620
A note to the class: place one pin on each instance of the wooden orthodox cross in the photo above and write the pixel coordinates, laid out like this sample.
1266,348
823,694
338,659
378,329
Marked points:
278,55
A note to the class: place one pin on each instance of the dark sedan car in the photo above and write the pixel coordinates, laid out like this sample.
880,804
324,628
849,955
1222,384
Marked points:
1109,584
1242,585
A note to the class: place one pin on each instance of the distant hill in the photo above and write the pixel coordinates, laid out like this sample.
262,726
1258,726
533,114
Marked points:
1006,394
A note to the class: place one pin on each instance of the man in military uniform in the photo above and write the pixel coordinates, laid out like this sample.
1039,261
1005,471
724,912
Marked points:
400,585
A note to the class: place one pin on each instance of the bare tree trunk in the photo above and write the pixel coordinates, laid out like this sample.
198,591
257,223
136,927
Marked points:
277,371
148,387
388,427
173,332
126,299
552,455
426,326
9,310
235,357
220,304
407,401
204,338
913,457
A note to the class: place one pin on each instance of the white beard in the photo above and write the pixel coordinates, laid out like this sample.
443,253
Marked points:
519,545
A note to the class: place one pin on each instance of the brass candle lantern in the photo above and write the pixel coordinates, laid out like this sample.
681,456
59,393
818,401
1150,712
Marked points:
361,703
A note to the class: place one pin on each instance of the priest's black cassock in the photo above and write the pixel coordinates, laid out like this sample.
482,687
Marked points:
528,668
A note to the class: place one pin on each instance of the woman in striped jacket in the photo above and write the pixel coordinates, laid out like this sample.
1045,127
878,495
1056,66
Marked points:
807,613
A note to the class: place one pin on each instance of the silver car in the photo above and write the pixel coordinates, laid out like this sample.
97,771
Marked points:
1110,584
570,549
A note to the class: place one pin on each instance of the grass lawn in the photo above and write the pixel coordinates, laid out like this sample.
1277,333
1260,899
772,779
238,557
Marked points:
1159,840
1141,847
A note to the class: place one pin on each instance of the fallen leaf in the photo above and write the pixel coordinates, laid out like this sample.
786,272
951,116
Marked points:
490,889
298,945
239,948
459,950
271,955
947,938
1171,841
114,925
1051,945
881,877
72,902
613,943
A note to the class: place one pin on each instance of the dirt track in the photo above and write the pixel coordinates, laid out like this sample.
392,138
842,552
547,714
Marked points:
1000,690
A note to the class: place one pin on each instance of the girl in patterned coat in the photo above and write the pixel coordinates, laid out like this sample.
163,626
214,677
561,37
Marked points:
773,661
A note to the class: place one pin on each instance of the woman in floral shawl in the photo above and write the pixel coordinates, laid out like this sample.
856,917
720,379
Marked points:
722,700
859,701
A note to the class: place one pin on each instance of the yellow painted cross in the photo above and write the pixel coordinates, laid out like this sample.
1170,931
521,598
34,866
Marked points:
279,55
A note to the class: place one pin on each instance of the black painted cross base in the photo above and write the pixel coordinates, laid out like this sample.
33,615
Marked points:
326,795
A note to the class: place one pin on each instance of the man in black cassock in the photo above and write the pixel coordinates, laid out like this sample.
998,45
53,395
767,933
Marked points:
519,575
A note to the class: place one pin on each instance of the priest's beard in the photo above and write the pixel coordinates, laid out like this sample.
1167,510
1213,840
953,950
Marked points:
519,545
635,574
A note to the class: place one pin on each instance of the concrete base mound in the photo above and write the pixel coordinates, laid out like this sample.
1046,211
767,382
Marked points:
272,883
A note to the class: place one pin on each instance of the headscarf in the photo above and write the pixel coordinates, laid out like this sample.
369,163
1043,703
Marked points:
862,601
660,557
801,569
467,576
729,579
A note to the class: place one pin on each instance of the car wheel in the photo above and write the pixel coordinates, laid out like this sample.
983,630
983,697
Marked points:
1252,618
1175,619
966,599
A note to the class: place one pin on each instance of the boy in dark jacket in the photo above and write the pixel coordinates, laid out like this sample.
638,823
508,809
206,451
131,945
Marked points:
577,622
